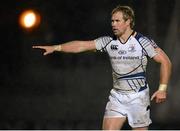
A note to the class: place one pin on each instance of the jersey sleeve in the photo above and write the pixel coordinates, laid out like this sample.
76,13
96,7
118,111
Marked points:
102,42
149,46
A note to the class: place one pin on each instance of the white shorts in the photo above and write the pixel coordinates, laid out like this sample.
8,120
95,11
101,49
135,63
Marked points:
134,106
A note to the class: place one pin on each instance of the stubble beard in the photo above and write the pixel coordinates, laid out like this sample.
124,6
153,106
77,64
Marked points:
118,33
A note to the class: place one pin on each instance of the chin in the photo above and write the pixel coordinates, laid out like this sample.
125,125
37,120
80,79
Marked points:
117,34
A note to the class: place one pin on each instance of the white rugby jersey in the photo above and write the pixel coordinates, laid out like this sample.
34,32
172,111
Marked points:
128,60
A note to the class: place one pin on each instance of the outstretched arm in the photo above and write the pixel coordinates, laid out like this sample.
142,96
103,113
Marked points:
165,72
69,47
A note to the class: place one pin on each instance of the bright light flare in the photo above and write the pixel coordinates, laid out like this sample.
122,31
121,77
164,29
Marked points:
29,19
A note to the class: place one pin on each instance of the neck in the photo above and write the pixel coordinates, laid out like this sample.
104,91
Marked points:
124,37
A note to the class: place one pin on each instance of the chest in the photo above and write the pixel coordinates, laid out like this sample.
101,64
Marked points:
130,49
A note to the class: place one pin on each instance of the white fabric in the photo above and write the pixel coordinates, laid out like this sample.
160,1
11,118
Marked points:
128,60
133,106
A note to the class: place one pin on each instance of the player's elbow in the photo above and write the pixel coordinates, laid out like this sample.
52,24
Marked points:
170,65
167,63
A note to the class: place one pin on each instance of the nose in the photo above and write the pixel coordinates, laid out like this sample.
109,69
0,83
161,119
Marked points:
113,23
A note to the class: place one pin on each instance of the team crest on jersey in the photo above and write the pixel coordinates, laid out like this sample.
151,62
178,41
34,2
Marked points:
131,48
114,47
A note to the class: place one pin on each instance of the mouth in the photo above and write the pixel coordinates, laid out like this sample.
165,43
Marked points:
115,30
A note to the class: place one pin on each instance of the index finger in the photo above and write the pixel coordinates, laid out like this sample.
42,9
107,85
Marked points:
40,47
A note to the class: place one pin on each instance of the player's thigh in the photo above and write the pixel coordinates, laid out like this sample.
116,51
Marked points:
140,128
113,123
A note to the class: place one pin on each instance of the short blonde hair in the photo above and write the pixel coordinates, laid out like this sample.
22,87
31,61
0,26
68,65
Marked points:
128,13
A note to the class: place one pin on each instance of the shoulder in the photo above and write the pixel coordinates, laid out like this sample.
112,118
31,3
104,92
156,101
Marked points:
102,42
105,38
141,37
144,40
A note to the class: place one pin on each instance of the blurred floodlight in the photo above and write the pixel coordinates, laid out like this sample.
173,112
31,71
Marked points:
29,19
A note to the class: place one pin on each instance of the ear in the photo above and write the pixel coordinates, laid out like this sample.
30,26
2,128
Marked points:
128,22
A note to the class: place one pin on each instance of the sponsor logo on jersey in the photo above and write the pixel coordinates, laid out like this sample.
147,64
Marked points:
114,47
122,52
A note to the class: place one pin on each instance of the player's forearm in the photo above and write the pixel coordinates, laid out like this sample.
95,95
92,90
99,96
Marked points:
73,47
165,72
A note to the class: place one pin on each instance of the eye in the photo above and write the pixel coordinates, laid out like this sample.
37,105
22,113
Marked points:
117,20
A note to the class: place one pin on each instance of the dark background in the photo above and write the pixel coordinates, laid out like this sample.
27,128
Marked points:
70,91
